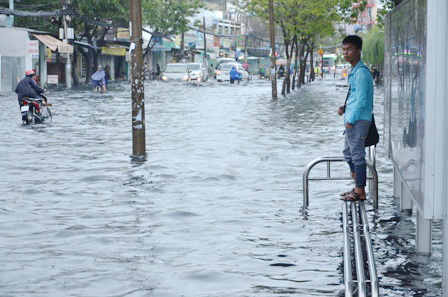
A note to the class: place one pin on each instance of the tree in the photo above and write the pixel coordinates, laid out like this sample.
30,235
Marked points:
373,47
168,17
94,19
301,21
48,23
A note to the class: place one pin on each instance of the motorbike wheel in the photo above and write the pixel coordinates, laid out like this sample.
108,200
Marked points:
30,116
46,115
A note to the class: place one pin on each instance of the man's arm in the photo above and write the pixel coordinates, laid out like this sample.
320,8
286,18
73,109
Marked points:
363,83
36,88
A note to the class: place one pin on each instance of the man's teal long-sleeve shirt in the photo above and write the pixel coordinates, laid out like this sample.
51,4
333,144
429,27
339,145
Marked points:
360,101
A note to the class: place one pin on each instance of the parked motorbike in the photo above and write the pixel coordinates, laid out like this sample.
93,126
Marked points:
35,110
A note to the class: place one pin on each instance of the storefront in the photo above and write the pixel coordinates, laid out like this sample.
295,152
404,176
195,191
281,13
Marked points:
53,53
114,56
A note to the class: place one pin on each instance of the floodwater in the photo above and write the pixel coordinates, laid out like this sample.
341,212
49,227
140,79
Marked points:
214,210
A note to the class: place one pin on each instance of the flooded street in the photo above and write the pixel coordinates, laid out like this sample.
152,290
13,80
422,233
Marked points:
214,211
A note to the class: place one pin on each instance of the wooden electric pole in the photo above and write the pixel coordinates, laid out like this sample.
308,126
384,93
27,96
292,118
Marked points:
138,94
273,64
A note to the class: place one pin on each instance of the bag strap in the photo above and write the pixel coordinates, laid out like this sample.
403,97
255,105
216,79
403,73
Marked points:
346,98
350,87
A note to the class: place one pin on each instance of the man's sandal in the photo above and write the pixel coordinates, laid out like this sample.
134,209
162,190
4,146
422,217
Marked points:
353,196
348,193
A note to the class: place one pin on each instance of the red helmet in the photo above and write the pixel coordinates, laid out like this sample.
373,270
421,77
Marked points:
30,72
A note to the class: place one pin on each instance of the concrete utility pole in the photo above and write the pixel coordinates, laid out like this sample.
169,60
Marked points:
205,45
68,62
138,92
273,64
11,17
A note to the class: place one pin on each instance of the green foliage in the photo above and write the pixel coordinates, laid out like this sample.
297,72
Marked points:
107,11
387,6
169,16
91,14
373,47
37,23
103,10
311,18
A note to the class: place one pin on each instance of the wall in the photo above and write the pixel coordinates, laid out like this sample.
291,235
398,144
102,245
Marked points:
15,58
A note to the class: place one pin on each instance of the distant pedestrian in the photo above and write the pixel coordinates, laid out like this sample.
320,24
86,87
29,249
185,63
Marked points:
233,75
357,116
158,72
317,71
107,77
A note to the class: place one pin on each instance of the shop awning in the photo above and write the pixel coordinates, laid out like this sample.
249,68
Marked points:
85,44
163,44
54,44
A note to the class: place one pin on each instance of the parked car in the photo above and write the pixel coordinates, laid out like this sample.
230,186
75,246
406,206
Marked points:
197,71
223,71
176,72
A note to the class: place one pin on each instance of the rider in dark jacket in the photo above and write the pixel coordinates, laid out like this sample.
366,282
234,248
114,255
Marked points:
27,87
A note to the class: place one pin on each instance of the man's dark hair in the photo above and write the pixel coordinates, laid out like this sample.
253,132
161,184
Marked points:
354,40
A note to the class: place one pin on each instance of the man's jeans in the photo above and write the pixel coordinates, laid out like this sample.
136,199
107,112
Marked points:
354,150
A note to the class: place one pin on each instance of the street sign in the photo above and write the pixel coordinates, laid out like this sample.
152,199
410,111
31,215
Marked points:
320,51
52,79
33,48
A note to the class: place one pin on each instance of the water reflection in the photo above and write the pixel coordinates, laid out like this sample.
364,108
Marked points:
212,210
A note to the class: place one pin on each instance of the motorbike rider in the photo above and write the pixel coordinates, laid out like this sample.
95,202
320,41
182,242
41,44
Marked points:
99,78
28,87
233,75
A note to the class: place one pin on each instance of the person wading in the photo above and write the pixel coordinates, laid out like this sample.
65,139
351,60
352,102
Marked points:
357,116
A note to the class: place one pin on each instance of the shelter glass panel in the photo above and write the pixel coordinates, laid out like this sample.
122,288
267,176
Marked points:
407,50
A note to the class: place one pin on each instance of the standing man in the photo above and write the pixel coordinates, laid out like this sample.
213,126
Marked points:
357,116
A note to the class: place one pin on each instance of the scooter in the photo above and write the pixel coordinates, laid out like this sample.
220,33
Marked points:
97,86
35,110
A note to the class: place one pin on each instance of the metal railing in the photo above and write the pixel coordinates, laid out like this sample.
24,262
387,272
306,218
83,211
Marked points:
373,176
357,241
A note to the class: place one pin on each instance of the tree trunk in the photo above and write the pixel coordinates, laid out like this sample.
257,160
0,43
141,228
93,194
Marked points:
306,58
75,68
302,65
295,64
287,57
88,60
95,55
182,45
288,70
312,74
148,47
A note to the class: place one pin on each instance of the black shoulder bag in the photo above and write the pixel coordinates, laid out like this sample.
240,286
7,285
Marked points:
372,137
